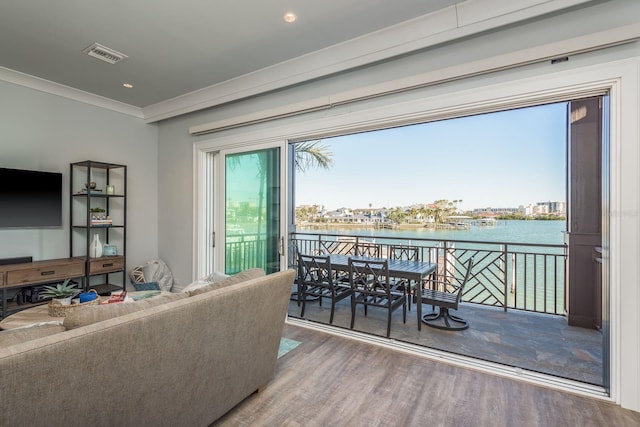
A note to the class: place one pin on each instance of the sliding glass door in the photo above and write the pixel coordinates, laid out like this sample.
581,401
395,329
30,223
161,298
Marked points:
252,210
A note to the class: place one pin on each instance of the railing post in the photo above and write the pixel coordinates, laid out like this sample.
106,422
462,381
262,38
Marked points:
446,261
506,277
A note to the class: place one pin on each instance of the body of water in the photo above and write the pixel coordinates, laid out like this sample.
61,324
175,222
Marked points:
511,231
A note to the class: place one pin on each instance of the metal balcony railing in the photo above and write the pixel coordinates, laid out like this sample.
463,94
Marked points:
244,251
518,276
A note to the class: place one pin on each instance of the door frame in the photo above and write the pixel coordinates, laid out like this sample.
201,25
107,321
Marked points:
511,89
210,176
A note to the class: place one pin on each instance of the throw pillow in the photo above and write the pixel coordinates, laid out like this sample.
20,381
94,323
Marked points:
136,274
150,268
146,286
216,276
197,284
204,281
153,271
243,276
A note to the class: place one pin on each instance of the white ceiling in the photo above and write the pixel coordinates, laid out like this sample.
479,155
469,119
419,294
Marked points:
176,47
192,54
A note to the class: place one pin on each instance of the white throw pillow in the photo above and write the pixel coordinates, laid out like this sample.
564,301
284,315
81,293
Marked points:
216,276
204,281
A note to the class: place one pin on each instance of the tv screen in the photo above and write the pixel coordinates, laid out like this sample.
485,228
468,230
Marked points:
30,198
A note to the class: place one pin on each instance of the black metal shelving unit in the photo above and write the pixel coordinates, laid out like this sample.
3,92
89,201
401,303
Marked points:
103,270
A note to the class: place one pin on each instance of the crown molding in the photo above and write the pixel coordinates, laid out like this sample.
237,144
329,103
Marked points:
462,20
52,88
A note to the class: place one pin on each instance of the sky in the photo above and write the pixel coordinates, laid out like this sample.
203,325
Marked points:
503,159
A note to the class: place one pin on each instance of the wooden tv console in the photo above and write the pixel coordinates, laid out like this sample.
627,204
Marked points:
37,273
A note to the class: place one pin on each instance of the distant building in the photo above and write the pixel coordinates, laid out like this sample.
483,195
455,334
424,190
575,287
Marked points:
543,208
554,207
495,211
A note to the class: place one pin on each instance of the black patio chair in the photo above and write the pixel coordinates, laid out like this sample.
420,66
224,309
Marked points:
404,253
371,250
446,298
370,287
317,279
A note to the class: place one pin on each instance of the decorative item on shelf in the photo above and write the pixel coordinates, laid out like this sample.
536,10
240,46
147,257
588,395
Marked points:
109,250
111,189
101,220
92,191
99,217
61,294
95,249
90,185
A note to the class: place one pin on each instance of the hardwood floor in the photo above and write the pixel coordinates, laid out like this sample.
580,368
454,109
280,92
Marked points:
334,381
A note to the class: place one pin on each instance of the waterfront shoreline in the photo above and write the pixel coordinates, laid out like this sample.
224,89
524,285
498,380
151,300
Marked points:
508,231
401,227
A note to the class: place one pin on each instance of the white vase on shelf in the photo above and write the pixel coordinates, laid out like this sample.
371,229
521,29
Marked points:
95,248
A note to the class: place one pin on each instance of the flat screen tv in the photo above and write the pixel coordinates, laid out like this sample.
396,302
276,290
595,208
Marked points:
30,199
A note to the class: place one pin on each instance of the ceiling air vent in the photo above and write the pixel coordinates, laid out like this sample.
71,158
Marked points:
104,53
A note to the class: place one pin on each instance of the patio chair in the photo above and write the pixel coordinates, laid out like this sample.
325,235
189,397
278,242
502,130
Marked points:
316,279
370,287
343,245
371,250
446,298
404,253
339,246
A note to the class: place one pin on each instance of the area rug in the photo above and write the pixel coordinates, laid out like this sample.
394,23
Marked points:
286,345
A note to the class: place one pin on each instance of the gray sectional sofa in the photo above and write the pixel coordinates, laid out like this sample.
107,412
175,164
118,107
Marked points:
183,359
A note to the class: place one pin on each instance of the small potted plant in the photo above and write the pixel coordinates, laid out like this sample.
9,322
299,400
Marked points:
62,293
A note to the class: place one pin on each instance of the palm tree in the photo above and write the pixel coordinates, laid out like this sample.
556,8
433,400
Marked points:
413,213
442,209
310,154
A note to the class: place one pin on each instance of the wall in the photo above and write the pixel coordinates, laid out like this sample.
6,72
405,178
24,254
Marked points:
46,132
176,146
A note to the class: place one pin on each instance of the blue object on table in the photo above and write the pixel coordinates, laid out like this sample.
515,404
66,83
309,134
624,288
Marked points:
88,296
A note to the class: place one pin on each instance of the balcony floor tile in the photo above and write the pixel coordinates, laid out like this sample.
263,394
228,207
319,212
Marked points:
532,341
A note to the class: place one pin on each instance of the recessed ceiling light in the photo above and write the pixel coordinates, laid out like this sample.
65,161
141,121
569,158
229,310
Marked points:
289,17
127,85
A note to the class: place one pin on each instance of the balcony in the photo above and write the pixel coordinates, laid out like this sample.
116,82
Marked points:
515,303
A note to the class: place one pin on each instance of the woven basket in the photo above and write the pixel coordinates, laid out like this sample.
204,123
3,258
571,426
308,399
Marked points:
59,310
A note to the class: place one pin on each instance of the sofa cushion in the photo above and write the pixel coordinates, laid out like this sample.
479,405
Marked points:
98,313
18,335
231,280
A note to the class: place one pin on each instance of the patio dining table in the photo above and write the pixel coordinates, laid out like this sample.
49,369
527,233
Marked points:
412,271
402,269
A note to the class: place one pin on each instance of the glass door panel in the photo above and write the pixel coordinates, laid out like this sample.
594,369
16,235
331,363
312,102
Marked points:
252,210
